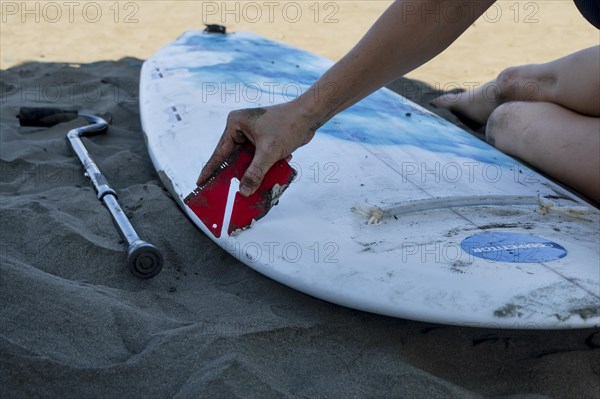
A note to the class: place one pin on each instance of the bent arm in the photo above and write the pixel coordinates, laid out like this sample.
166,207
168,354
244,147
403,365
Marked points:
407,35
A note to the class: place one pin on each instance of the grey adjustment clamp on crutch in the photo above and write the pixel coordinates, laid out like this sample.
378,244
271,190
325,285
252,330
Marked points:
144,259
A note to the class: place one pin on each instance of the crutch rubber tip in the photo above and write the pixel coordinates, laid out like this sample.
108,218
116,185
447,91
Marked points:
144,259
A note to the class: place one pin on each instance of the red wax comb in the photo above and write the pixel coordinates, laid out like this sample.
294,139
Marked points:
209,201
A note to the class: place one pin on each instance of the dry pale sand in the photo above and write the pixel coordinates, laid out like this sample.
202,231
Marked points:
510,33
74,323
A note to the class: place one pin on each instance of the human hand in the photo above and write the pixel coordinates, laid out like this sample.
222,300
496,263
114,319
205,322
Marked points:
275,132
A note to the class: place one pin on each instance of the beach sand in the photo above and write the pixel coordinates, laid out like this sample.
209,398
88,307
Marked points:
510,33
74,323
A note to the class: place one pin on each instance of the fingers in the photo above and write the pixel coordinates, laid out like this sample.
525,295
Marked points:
243,126
224,148
256,172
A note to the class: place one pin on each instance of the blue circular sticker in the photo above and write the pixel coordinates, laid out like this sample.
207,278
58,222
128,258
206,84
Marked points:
512,247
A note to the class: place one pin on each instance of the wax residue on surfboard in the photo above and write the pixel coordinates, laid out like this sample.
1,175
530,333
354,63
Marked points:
578,212
238,231
549,300
275,194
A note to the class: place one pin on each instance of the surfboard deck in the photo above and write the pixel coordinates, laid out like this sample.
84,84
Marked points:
441,250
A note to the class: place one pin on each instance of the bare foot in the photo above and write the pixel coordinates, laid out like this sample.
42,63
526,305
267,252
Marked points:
473,108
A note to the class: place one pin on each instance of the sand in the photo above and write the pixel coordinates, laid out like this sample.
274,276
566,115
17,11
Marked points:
74,323
510,33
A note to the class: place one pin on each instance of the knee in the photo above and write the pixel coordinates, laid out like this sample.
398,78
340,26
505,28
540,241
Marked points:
508,78
526,83
500,129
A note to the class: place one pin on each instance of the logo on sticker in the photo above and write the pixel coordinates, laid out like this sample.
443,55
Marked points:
512,247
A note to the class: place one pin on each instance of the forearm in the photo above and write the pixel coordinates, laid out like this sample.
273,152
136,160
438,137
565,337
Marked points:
403,38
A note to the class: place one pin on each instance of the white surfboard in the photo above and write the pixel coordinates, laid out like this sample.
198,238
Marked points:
460,233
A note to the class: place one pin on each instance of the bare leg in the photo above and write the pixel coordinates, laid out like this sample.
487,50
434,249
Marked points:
561,143
572,82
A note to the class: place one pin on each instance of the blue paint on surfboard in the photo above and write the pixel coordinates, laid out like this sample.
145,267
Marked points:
291,71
